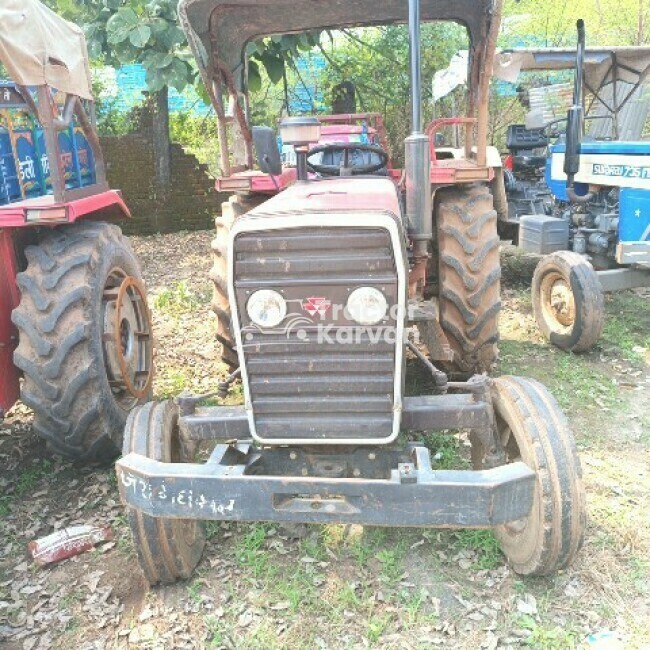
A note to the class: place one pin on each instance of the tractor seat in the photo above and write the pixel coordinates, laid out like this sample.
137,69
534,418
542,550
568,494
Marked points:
519,138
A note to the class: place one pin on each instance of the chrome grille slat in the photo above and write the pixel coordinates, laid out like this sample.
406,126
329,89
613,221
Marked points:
361,425
326,383
287,365
365,277
269,405
300,389
312,265
269,241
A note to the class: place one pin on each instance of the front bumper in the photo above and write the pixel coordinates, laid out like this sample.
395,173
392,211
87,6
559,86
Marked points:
633,252
383,487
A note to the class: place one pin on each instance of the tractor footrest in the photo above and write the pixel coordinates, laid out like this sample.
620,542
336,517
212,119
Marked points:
370,486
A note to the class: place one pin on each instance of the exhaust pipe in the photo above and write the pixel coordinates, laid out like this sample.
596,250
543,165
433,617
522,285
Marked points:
417,155
575,120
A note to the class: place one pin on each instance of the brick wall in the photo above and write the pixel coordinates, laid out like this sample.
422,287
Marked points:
192,202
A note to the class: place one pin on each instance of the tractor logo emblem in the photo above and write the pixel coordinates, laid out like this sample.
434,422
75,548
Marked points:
316,305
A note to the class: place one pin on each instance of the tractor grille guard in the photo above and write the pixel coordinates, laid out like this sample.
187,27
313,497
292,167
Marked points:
319,378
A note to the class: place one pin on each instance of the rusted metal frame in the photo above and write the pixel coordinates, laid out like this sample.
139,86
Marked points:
629,278
90,131
222,128
439,123
23,91
239,114
420,413
414,494
46,116
615,109
614,94
486,62
12,140
52,124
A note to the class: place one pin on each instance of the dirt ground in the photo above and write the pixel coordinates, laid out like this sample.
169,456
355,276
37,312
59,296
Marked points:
343,587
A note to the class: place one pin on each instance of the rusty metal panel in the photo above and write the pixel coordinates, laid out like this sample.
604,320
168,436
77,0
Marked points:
220,29
402,490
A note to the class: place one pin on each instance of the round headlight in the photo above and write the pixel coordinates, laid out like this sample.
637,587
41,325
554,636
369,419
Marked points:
367,306
266,308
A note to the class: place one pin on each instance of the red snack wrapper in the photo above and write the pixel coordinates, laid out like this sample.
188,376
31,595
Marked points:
67,543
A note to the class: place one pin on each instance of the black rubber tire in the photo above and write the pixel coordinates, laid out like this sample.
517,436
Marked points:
168,549
231,210
588,298
469,277
552,534
60,339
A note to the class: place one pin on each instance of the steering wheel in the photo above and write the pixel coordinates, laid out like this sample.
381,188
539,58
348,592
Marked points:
346,148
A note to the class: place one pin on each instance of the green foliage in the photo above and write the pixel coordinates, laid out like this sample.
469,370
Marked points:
176,299
484,543
274,54
375,60
198,135
551,23
136,31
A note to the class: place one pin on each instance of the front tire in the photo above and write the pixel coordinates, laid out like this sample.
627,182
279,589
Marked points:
469,277
568,301
83,370
533,429
168,549
231,210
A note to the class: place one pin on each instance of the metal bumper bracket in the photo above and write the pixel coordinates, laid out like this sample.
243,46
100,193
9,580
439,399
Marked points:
371,486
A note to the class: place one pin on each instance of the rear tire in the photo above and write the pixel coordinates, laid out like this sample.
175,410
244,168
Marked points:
69,293
231,210
568,301
534,430
469,277
168,549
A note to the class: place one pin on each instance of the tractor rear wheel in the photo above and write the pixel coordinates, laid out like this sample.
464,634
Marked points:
469,277
85,339
568,301
532,429
231,210
168,549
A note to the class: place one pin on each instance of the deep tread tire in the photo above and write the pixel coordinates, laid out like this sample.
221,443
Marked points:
230,211
589,301
60,350
168,549
553,532
469,277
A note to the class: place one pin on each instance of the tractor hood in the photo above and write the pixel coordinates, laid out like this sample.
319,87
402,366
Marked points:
218,30
40,48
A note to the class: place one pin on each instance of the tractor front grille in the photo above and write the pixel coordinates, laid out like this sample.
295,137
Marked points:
318,377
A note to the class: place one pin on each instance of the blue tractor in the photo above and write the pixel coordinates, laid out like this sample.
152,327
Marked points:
585,206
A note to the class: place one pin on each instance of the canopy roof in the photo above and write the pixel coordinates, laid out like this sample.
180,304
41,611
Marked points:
222,28
38,48
603,65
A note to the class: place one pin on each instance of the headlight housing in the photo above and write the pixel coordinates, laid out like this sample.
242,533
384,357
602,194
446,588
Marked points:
266,308
366,306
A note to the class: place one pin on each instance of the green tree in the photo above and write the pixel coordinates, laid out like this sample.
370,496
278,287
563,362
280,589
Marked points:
375,60
140,31
552,22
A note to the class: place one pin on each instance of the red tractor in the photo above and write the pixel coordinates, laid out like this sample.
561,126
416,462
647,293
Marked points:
318,292
74,321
